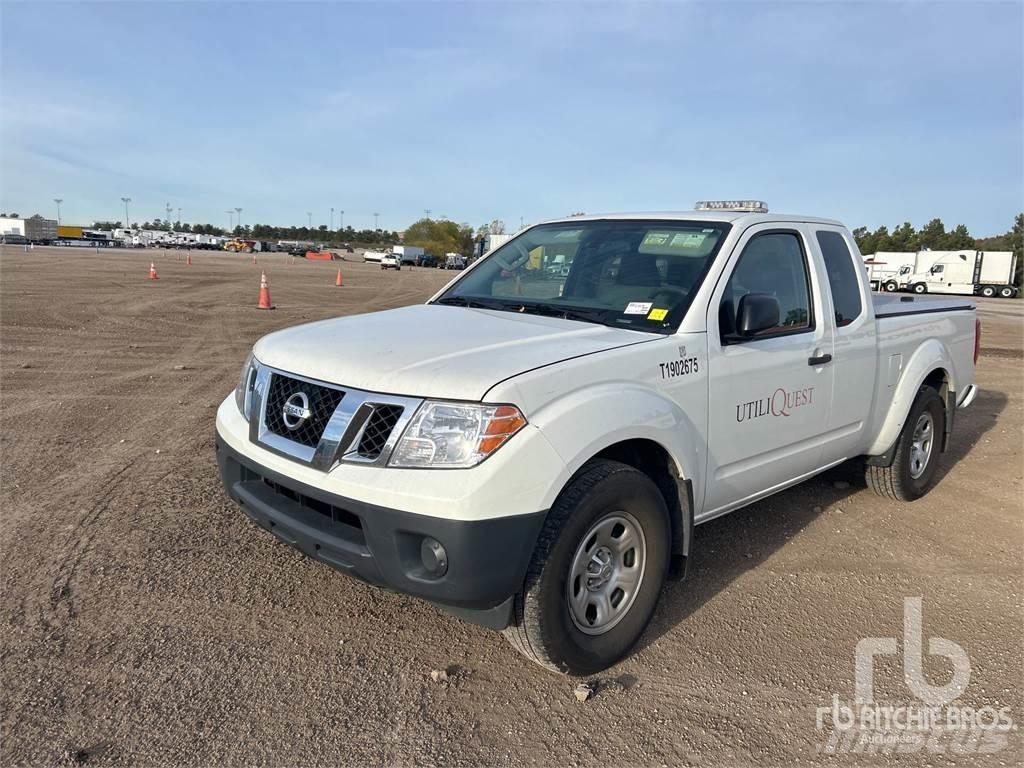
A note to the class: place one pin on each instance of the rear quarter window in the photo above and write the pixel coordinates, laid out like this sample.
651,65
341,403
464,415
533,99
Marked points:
842,276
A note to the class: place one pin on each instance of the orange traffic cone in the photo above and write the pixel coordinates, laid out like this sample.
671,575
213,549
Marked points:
152,271
264,293
188,259
339,281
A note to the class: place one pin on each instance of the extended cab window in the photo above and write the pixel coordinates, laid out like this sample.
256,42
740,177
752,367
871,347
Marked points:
772,263
842,276
639,274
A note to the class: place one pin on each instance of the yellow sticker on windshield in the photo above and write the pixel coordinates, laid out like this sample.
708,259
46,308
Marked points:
657,314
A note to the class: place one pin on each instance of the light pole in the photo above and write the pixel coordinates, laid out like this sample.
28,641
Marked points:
341,219
239,222
179,216
332,218
376,216
426,212
58,201
167,207
126,200
231,219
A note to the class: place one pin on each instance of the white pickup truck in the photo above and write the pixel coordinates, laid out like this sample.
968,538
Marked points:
532,447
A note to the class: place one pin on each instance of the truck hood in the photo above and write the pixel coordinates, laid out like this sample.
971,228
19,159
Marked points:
432,350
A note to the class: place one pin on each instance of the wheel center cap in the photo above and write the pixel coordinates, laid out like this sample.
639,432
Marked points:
599,569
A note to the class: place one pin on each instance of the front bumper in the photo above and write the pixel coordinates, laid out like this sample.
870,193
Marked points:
486,559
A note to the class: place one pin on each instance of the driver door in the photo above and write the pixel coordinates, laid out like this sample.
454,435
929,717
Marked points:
769,394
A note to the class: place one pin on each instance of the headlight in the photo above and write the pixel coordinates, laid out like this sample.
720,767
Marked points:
455,435
246,380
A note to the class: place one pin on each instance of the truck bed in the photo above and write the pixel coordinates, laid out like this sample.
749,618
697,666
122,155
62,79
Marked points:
897,305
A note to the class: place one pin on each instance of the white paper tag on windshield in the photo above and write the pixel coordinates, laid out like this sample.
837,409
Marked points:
637,308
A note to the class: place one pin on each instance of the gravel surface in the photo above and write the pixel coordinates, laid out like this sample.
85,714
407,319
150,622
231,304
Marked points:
144,621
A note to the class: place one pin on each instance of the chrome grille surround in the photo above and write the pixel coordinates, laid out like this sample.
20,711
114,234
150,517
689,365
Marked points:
345,429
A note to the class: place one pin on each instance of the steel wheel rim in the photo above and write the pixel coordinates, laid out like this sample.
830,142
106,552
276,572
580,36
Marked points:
606,573
921,444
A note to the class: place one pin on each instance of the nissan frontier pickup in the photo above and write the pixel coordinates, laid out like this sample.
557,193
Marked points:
532,447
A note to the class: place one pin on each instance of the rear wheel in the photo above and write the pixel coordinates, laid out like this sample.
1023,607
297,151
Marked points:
988,291
596,573
920,288
912,472
1006,292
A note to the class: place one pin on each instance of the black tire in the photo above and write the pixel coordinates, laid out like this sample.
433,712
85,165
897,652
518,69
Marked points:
1007,292
920,288
892,287
897,481
988,291
542,627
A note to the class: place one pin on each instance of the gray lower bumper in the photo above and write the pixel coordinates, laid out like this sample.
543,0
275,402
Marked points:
486,559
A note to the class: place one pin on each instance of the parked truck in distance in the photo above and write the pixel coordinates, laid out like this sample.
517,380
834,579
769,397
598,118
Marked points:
967,273
532,448
884,268
407,254
39,230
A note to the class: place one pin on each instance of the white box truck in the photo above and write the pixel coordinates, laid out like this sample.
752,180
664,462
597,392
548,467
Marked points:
408,254
968,273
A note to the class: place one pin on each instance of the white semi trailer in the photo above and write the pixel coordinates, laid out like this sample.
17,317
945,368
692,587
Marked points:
968,273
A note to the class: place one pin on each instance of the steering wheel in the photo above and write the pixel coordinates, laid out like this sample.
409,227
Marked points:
676,294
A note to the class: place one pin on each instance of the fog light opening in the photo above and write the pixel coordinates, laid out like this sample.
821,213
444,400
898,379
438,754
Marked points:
433,556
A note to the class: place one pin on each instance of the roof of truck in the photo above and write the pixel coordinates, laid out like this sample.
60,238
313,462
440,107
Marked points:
733,217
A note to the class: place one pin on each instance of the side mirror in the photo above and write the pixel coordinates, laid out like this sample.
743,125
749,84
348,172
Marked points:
757,312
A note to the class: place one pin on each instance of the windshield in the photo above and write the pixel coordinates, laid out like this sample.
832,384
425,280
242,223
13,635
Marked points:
634,274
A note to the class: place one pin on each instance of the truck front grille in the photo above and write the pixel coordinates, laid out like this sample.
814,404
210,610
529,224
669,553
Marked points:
321,401
378,429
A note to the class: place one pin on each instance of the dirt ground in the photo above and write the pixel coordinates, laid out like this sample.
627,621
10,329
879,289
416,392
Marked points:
145,621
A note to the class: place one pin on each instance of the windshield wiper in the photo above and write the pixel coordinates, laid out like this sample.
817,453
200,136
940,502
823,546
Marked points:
594,315
465,301
583,314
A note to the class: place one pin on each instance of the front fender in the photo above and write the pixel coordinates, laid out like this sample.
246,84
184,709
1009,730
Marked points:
931,355
584,423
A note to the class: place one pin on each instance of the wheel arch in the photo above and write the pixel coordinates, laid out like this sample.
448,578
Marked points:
930,365
654,460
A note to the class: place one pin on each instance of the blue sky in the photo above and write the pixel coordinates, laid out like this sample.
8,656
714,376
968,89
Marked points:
873,113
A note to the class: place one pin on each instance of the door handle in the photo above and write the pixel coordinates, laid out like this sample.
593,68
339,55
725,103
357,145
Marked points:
819,360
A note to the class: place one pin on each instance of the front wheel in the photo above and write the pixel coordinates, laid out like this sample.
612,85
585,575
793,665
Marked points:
891,287
596,573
